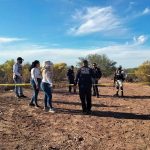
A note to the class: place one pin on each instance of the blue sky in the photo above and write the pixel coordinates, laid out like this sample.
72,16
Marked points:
63,30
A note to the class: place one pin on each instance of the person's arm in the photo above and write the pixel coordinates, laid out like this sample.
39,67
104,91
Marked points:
68,73
114,78
15,70
77,77
34,76
92,73
48,76
99,73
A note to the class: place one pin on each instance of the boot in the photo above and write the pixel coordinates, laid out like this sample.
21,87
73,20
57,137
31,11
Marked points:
116,94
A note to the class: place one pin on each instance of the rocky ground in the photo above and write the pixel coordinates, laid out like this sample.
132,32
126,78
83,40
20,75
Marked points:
115,124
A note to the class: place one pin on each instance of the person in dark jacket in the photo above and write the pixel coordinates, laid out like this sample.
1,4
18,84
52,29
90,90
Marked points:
71,79
97,76
84,80
119,78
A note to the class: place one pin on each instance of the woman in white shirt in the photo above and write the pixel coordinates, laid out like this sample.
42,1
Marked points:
35,81
47,84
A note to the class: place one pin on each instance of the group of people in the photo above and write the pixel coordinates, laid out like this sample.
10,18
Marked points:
38,81
97,74
87,78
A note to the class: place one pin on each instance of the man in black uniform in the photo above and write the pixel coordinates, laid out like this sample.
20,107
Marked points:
119,78
71,78
84,80
97,75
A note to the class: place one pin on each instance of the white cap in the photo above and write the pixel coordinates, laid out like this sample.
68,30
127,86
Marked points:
47,64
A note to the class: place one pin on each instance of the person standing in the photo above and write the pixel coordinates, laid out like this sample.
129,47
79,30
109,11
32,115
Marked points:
97,75
71,79
84,80
119,78
17,77
35,82
47,84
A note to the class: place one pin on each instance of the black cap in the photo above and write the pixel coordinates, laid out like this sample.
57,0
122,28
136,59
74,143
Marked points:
19,58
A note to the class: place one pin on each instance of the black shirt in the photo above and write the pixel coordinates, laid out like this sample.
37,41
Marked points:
97,73
70,74
84,76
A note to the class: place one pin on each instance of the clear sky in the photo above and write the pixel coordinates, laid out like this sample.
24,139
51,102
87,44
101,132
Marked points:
63,30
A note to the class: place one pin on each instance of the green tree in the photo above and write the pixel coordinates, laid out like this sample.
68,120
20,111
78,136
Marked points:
107,66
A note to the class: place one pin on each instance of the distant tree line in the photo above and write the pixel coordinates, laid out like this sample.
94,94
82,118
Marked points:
108,67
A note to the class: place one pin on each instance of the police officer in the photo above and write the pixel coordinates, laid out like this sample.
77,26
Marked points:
84,80
97,75
17,77
71,78
119,78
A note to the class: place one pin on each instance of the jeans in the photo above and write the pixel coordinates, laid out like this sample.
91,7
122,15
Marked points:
85,97
36,91
18,89
48,94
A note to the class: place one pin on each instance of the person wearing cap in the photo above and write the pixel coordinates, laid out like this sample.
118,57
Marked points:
46,85
71,78
84,80
36,79
17,77
119,78
97,76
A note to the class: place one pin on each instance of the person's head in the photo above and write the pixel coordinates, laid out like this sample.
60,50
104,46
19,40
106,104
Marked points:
72,67
48,65
120,67
36,64
20,60
85,63
94,65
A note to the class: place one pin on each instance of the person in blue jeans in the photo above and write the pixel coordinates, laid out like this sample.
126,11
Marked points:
36,79
17,77
46,85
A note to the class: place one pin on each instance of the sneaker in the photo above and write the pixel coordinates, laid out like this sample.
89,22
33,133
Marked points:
51,110
46,109
116,95
18,97
37,106
23,96
31,104
88,112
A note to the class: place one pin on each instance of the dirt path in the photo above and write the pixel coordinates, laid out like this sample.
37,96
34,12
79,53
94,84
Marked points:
115,124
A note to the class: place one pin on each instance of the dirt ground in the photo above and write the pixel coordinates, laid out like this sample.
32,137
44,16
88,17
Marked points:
115,124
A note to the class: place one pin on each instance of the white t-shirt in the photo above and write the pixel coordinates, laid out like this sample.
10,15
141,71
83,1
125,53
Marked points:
35,74
47,76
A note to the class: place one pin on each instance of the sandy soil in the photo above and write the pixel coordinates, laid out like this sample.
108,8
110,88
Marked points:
115,124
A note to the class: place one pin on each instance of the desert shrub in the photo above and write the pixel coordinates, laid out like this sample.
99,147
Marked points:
60,72
143,72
